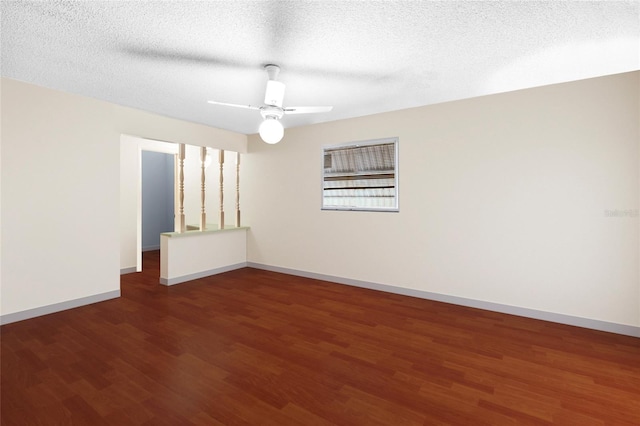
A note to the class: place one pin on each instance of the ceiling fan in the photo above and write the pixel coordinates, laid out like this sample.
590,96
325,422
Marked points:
271,130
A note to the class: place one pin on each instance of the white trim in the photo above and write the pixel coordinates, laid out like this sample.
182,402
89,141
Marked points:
151,248
190,277
57,307
628,330
129,270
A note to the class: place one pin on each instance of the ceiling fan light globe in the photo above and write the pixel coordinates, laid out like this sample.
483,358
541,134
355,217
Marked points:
271,131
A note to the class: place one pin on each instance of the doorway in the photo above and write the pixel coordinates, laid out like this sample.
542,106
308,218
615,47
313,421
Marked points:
158,190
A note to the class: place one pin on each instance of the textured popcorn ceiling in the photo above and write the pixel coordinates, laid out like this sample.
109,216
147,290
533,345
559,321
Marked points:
362,57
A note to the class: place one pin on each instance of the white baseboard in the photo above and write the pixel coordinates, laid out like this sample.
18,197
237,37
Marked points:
610,327
190,277
151,248
57,307
128,270
624,329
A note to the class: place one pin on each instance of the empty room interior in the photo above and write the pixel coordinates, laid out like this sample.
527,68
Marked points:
367,213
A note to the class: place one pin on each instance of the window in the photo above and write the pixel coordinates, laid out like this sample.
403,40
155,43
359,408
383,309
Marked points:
361,176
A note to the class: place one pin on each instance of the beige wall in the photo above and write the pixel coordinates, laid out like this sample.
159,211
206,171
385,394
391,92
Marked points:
60,191
502,199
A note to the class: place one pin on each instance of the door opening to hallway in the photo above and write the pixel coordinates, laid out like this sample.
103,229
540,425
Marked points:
158,189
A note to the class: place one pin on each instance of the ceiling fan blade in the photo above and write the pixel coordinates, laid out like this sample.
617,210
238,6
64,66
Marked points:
233,105
274,93
307,109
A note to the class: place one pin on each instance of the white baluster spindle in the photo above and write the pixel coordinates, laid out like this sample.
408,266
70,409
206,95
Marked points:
181,150
237,189
203,214
221,162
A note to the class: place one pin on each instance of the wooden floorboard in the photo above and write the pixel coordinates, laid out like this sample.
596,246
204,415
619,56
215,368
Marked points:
252,347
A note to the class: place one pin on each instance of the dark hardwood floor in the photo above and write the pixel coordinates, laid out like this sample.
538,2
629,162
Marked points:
251,347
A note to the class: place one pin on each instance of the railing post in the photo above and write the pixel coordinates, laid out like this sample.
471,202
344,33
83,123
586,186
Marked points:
182,225
221,162
237,190
203,214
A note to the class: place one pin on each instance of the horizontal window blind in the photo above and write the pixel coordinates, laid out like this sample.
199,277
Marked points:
361,176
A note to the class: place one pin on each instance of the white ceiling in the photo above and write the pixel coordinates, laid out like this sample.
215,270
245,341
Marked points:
362,57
